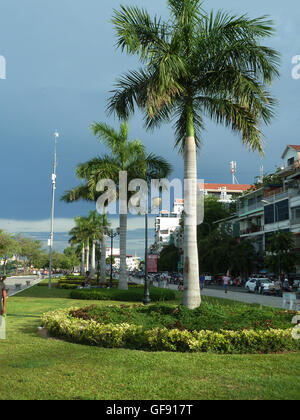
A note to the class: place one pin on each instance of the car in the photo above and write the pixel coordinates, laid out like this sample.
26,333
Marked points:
251,283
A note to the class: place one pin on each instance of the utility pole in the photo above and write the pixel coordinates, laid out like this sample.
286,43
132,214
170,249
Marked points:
53,179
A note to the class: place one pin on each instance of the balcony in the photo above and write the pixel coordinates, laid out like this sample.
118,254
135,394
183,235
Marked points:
295,221
290,168
252,229
274,197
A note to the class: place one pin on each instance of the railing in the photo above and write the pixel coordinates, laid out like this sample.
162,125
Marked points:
272,198
252,229
294,165
295,221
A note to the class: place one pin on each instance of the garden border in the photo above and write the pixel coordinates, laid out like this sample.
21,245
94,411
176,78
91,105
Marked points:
61,324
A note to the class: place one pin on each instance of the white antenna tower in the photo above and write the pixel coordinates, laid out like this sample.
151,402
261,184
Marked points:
261,174
233,172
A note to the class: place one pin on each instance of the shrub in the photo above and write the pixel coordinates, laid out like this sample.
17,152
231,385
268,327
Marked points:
88,331
68,286
134,294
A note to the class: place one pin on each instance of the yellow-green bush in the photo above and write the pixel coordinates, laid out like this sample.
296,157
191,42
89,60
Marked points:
62,324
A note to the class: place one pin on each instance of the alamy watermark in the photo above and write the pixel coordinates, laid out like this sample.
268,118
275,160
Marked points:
140,197
2,67
296,67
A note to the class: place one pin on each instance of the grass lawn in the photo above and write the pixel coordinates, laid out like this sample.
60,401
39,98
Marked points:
33,367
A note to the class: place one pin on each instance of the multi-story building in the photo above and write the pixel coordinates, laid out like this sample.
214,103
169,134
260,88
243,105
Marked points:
168,229
272,207
167,223
226,193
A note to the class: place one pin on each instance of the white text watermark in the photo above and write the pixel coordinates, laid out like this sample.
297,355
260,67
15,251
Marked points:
2,67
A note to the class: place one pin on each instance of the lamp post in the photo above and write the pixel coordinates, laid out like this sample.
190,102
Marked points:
53,178
146,299
98,263
112,235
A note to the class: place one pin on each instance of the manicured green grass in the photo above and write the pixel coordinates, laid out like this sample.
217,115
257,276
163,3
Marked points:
33,367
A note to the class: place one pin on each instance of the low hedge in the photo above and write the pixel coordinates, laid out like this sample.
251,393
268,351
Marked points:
133,294
68,286
62,324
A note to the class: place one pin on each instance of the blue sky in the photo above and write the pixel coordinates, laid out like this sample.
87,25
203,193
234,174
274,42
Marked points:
62,63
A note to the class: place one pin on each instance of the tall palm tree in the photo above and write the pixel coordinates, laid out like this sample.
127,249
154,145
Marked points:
125,155
96,223
79,236
196,65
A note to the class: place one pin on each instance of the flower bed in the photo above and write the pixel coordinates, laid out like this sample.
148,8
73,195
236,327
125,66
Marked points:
125,335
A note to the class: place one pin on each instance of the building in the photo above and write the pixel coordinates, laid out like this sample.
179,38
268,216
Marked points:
168,229
226,193
131,262
273,207
167,223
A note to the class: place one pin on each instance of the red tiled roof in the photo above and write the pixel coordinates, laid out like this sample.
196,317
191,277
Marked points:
229,187
296,147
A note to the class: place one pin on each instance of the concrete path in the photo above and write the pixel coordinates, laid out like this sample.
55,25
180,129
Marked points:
22,280
238,296
248,297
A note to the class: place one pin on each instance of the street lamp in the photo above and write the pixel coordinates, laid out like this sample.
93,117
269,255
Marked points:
98,263
112,235
53,180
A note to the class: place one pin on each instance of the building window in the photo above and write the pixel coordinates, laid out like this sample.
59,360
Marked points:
277,214
269,214
282,210
290,161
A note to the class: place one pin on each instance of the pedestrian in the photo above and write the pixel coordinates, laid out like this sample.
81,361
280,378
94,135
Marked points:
277,287
3,295
3,299
87,279
225,283
257,286
202,281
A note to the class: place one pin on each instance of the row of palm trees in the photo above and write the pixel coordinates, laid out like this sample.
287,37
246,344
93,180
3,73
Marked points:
127,156
195,65
90,230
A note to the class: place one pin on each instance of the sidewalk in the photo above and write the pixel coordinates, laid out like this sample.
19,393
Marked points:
246,297
264,300
12,281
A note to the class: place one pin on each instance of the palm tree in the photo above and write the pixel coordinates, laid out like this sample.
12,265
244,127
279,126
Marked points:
79,236
96,223
196,65
127,156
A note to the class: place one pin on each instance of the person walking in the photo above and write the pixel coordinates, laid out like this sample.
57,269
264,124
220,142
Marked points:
257,286
87,279
202,281
226,282
277,287
3,299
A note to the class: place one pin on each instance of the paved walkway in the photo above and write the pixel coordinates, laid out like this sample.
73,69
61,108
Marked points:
247,297
22,280
238,296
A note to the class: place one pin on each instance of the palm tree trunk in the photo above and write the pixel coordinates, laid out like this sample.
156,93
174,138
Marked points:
123,279
93,261
191,294
82,259
103,260
88,255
